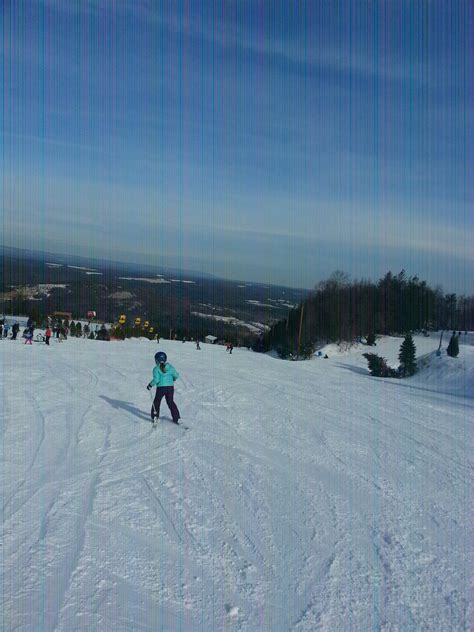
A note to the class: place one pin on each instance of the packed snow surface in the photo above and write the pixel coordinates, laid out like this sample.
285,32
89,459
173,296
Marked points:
304,496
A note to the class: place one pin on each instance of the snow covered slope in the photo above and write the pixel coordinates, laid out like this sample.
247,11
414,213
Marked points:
305,496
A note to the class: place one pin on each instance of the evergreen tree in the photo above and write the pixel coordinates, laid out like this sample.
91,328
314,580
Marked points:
407,357
371,340
453,347
378,366
72,328
340,310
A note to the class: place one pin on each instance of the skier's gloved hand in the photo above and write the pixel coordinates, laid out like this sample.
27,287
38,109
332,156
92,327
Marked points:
149,387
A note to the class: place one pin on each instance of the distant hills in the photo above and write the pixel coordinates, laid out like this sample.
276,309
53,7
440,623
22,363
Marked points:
176,302
94,262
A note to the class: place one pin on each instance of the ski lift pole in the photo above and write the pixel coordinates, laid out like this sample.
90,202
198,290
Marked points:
438,353
301,326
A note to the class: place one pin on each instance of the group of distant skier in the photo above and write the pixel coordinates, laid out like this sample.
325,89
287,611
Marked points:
58,330
5,328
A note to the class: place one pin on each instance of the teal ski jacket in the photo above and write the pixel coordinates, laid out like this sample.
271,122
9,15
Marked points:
164,379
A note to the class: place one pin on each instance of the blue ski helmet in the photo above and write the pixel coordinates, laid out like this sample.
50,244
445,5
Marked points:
160,357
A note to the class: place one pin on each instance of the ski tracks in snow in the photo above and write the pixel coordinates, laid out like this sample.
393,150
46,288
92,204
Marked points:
48,510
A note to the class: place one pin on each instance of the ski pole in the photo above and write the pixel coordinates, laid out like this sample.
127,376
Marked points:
153,403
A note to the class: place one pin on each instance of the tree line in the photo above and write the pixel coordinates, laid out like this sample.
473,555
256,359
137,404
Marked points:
340,310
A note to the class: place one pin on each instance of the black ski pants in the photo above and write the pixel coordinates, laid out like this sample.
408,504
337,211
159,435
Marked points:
168,393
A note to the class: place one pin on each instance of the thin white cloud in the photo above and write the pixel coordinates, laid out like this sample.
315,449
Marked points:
363,227
226,35
67,207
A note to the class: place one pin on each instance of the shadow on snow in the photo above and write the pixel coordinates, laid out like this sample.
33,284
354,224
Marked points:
127,406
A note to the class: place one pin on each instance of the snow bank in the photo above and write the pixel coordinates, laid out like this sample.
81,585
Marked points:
454,376
447,375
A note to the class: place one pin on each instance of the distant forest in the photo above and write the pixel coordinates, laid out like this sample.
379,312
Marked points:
340,310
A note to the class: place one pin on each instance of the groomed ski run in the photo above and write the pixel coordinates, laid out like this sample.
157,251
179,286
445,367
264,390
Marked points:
306,496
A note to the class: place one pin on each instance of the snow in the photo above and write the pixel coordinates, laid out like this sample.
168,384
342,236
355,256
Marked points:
306,495
147,280
183,281
231,320
259,304
42,289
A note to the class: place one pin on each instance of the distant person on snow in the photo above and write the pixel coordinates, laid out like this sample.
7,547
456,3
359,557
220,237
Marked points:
198,346
15,329
29,336
164,377
47,335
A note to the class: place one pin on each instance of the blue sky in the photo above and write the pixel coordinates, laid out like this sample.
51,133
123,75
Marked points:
267,141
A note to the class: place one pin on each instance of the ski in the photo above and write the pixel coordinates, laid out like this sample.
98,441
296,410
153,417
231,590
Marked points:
183,426
155,423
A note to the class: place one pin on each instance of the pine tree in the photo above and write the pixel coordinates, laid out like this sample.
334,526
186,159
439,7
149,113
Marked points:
371,340
453,347
407,357
378,366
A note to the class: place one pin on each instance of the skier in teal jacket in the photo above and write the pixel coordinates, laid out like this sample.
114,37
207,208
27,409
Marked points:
164,377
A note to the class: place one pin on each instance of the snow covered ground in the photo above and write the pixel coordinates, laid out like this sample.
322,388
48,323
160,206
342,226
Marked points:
305,496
